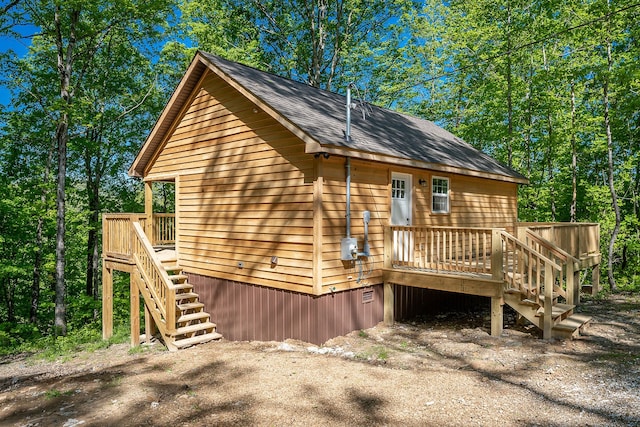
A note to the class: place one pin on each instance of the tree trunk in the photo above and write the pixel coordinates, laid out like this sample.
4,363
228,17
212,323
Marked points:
574,157
37,263
509,92
93,178
65,67
60,323
612,189
552,193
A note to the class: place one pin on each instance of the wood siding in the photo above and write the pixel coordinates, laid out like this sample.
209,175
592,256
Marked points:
474,202
245,192
244,311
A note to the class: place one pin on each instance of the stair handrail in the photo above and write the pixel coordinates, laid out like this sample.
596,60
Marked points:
570,263
557,251
154,274
551,271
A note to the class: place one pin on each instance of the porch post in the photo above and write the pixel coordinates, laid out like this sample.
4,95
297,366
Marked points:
148,209
107,301
135,309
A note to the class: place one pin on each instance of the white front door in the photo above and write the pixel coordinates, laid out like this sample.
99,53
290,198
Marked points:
400,199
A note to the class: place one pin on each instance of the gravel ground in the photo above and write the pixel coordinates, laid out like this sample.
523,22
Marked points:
440,370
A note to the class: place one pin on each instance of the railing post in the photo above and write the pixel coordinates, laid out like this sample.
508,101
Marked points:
148,210
388,248
548,301
497,267
572,295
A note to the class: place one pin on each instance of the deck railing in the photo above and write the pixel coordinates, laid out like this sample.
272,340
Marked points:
117,232
462,249
577,239
164,228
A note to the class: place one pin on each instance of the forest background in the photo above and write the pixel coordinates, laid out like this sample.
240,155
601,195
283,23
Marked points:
550,88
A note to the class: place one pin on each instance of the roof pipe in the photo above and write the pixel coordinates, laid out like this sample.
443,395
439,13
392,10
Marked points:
347,135
348,207
348,161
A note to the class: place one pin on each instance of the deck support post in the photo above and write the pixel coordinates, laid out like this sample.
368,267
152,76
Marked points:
150,328
595,279
135,310
388,304
107,301
497,316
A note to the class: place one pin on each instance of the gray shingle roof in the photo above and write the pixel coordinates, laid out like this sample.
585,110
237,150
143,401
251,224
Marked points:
321,115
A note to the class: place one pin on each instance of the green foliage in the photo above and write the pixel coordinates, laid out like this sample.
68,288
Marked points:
521,80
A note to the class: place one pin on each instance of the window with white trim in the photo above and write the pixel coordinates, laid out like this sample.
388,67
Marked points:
439,195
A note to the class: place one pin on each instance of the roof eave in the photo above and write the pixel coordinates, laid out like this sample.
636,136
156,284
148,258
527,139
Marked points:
400,161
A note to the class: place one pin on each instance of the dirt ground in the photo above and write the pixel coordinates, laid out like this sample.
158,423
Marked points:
440,370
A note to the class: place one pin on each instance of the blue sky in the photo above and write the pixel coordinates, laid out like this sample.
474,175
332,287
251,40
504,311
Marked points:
19,46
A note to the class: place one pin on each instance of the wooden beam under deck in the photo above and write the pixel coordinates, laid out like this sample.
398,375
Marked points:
449,282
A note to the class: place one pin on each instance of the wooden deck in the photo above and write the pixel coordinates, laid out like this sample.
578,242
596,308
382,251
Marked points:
539,279
523,273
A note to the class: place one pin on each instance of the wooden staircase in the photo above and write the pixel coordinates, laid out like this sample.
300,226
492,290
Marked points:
193,324
541,287
565,323
174,307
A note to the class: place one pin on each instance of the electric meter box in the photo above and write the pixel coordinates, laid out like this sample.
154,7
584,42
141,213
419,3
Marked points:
349,249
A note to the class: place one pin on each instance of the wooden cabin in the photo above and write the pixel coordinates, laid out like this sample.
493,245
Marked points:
297,216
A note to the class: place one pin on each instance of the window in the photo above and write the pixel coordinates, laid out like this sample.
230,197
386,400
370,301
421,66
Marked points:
398,188
439,195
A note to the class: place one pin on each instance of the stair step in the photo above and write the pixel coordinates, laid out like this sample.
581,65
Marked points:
198,339
558,310
185,295
178,277
194,328
183,287
171,265
201,316
571,326
530,302
190,306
